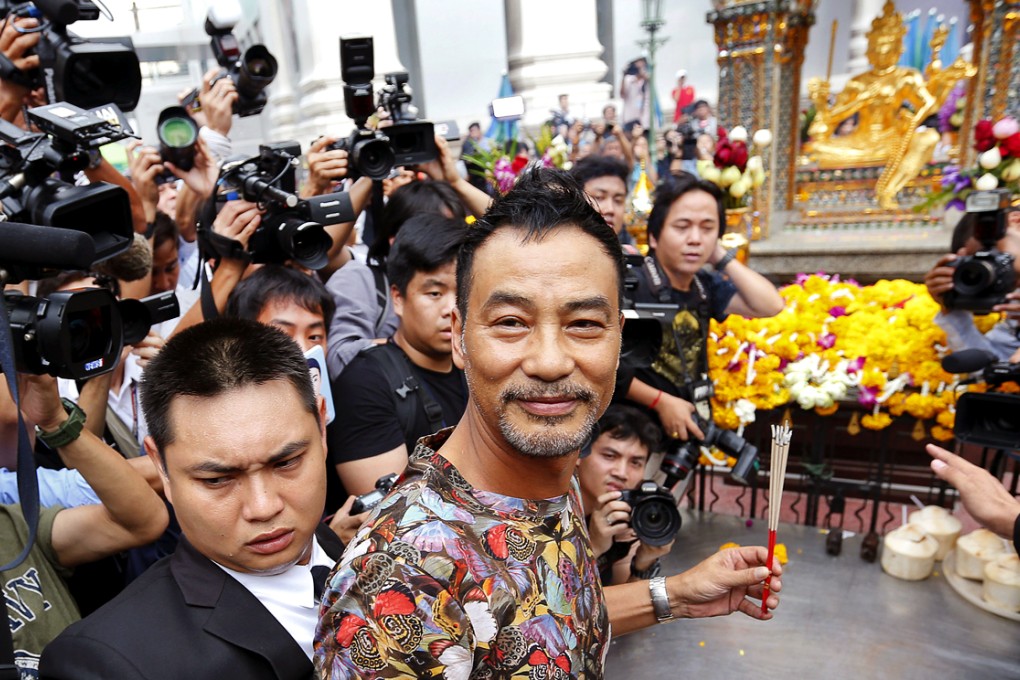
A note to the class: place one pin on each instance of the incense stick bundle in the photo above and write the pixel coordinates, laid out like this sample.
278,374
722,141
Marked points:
781,435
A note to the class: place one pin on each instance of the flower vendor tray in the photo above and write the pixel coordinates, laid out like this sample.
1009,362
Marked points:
971,590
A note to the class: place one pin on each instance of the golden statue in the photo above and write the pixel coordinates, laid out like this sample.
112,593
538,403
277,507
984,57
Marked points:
887,130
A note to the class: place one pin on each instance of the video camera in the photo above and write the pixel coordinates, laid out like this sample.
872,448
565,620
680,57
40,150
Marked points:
369,500
653,513
683,457
71,69
292,227
983,280
251,73
95,217
986,419
57,226
374,153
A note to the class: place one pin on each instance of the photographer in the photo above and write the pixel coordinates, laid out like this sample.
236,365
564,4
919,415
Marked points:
683,230
958,324
129,515
616,461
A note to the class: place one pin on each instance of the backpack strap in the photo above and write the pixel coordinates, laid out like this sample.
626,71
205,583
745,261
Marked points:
410,396
382,293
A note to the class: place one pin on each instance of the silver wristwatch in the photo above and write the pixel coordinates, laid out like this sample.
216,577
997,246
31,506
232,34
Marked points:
660,600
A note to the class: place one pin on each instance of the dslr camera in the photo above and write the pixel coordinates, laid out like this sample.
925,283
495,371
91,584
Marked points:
653,513
251,73
983,279
292,227
369,500
374,153
71,69
683,456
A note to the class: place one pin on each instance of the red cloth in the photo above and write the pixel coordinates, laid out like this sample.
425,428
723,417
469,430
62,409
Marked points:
684,97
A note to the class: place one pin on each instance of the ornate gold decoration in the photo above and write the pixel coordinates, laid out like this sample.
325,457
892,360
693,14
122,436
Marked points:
886,133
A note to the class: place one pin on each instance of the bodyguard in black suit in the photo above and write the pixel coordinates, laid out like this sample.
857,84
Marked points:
238,439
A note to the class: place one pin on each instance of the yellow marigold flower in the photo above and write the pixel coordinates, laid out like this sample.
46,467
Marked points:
946,419
827,410
941,434
876,422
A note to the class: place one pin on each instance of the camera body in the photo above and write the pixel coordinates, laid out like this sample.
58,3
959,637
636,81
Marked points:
251,73
983,280
653,513
374,153
367,501
71,69
292,227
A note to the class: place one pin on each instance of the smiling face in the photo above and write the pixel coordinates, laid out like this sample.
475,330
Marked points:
541,340
247,485
688,237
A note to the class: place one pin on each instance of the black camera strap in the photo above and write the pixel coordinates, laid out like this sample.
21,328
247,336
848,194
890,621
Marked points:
28,489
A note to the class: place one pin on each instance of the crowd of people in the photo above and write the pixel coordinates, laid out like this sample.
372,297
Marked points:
458,350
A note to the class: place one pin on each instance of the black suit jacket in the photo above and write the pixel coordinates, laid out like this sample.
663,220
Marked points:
183,619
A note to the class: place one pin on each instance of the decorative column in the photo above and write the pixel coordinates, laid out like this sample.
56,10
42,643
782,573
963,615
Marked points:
995,91
761,51
320,88
283,101
553,49
864,12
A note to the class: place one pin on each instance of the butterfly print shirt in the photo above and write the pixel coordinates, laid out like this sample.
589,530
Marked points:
448,581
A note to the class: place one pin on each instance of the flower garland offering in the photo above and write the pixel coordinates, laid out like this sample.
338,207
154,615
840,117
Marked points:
733,167
998,147
836,341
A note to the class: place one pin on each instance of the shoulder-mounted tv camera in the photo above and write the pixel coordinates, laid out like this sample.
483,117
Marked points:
71,69
374,153
986,418
292,227
983,280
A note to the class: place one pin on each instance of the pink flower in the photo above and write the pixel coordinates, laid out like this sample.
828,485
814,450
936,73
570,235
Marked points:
856,365
827,340
867,396
837,311
1007,127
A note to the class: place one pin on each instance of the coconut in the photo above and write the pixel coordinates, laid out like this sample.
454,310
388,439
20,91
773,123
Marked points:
939,524
1002,582
977,549
908,553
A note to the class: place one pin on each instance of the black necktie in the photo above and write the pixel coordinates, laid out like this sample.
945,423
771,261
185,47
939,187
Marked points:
319,574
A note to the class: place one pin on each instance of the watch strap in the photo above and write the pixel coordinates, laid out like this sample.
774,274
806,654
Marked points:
660,599
725,260
68,431
654,570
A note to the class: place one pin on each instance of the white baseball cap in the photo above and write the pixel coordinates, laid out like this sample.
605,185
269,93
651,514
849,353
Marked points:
681,74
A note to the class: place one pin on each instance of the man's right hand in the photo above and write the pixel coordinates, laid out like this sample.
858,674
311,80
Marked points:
218,99
984,497
325,166
609,522
14,43
677,418
238,220
939,280
144,164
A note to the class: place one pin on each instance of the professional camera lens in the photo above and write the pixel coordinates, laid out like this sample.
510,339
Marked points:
285,237
258,69
973,276
653,513
373,157
177,134
678,462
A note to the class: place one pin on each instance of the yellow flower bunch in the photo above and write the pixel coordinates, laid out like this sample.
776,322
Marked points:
880,341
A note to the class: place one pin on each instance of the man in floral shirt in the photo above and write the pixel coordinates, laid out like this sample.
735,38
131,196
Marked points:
478,564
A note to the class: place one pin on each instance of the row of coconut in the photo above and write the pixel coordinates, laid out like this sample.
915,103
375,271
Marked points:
910,553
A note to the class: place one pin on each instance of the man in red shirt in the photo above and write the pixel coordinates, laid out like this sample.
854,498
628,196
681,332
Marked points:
683,95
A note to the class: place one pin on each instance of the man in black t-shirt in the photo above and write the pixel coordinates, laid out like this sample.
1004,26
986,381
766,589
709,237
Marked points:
684,229
391,395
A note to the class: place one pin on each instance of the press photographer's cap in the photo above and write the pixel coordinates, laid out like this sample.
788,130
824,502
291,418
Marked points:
681,74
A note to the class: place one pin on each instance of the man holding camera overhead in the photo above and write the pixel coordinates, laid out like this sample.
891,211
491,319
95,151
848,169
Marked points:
980,277
683,230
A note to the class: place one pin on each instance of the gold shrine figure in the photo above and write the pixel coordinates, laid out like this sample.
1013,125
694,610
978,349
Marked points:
887,131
